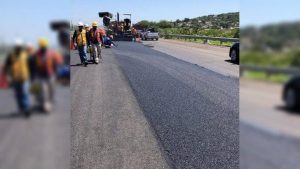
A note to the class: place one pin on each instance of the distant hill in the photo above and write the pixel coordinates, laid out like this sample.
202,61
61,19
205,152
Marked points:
221,21
274,37
222,25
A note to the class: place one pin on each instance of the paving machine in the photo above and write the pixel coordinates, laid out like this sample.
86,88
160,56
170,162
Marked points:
119,30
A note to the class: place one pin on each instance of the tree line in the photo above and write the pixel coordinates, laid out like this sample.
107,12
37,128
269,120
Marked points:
222,25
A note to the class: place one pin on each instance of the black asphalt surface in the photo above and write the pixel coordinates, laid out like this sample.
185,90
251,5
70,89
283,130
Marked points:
260,148
193,111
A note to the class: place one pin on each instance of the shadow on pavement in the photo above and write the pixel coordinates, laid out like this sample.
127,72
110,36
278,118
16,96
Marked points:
287,110
230,61
16,115
79,64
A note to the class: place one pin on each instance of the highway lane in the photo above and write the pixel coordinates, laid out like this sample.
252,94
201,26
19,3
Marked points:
269,134
264,148
188,114
215,58
261,103
40,142
264,122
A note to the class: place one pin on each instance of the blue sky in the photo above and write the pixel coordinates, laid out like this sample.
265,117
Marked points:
29,19
154,10
260,12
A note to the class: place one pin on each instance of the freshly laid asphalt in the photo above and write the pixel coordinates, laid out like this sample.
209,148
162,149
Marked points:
189,114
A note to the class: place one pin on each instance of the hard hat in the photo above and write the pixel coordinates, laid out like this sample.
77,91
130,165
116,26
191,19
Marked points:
19,42
80,24
95,23
86,25
43,42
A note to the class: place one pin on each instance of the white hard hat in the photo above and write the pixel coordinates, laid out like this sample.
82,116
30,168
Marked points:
19,42
80,24
86,25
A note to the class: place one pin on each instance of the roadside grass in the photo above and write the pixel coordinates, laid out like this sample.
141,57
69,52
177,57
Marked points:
278,78
290,58
280,59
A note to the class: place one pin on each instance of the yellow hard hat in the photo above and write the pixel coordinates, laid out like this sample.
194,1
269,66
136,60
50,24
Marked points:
43,42
95,23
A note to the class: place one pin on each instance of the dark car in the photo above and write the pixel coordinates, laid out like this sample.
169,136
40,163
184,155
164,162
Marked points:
234,52
291,93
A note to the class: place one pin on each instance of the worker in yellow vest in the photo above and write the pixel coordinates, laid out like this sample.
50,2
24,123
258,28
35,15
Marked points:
80,40
17,68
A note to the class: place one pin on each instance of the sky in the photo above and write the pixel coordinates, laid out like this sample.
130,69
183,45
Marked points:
261,12
29,19
153,10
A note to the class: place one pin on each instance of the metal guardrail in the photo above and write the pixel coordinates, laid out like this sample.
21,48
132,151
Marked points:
204,38
269,70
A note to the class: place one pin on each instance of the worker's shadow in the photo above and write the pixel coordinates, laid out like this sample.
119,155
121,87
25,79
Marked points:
74,65
19,115
13,115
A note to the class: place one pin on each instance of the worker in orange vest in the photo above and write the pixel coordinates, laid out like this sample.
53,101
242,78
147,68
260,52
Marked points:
46,62
96,40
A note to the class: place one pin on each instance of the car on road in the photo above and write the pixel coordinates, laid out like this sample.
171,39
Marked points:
291,93
234,52
150,34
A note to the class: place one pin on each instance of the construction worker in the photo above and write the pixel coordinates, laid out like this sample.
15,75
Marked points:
17,67
96,40
46,63
87,27
80,40
89,48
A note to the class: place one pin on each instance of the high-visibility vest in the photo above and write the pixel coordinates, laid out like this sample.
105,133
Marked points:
19,67
95,36
81,37
103,32
46,64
